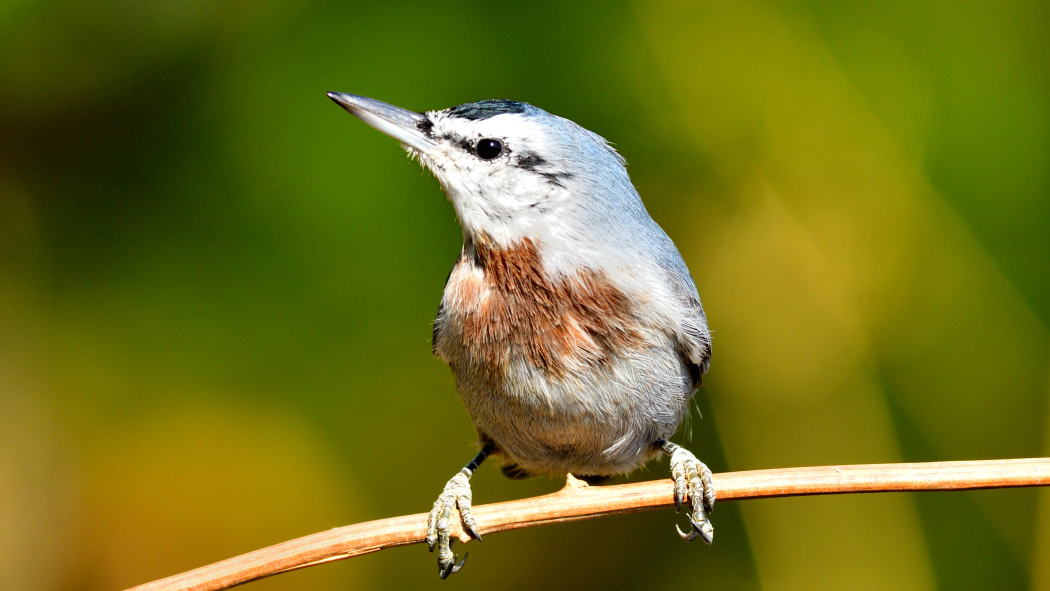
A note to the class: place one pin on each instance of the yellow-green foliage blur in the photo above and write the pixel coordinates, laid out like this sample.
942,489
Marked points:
217,287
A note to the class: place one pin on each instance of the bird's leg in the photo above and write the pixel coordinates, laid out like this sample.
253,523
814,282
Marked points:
439,524
692,480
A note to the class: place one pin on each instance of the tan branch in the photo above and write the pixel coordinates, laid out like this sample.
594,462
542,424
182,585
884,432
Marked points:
579,501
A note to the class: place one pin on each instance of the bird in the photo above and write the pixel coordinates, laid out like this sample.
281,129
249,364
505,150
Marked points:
570,321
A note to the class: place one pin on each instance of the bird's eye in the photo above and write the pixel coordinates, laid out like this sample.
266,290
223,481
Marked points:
489,149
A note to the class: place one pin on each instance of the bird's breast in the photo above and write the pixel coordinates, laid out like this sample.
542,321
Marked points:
500,306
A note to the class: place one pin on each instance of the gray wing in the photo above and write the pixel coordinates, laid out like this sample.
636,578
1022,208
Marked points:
693,339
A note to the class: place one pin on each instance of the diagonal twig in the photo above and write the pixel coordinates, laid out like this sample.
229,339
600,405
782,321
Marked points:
578,501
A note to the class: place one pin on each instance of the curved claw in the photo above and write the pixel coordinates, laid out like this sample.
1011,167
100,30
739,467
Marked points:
677,502
473,531
688,538
459,564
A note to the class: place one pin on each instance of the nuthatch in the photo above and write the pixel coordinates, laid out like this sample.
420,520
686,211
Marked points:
570,321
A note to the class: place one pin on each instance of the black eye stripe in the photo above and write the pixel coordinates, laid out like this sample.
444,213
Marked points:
530,161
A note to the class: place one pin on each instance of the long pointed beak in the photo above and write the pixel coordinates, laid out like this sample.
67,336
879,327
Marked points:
400,124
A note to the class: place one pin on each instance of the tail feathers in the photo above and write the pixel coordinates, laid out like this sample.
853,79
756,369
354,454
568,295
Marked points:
516,472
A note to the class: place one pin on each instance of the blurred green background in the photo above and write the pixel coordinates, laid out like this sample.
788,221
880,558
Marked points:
217,287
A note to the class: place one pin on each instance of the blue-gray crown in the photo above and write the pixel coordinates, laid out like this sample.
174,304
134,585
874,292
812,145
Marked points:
490,108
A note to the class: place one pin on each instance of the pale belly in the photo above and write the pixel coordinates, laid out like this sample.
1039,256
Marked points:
597,421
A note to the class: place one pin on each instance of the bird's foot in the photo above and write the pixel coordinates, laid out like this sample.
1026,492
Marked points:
439,524
692,481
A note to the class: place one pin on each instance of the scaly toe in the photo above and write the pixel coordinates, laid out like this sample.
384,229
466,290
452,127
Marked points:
447,560
702,530
452,567
709,488
693,482
705,529
456,495
447,569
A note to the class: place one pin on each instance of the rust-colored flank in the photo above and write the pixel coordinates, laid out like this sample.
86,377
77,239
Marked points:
516,308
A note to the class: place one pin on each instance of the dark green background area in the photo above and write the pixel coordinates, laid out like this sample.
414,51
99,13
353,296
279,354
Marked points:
217,287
